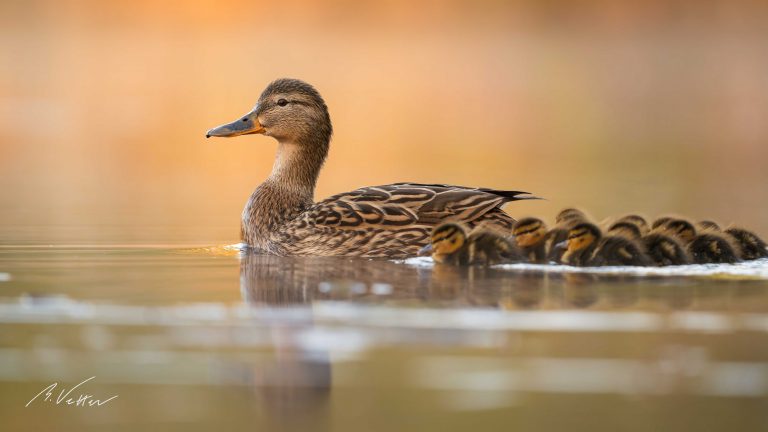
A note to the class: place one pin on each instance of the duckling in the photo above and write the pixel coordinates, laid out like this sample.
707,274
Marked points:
683,229
752,247
665,250
450,244
626,229
580,244
708,225
661,221
564,220
567,214
587,246
712,247
618,250
529,235
637,220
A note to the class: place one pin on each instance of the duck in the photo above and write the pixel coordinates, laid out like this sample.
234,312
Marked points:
752,247
708,225
661,221
637,220
712,247
665,250
564,221
626,229
391,221
452,243
529,234
569,214
680,228
586,246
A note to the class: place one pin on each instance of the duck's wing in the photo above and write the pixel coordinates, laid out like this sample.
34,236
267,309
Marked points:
403,204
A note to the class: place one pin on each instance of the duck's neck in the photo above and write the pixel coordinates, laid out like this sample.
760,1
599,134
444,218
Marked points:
297,166
286,193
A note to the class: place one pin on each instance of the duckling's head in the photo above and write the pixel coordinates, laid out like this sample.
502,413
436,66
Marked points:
568,214
682,228
660,222
636,219
447,239
289,110
581,236
529,231
708,225
626,229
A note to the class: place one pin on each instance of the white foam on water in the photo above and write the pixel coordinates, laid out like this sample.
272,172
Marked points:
757,269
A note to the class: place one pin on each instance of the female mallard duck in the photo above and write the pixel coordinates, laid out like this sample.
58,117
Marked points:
392,221
586,246
450,244
529,235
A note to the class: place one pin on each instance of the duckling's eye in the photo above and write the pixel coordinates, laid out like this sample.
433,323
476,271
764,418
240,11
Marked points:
282,102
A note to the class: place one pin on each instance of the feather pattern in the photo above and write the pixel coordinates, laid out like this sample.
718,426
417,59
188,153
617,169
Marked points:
392,221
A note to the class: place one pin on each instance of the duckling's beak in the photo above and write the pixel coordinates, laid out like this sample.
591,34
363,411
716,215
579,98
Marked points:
562,245
248,124
426,250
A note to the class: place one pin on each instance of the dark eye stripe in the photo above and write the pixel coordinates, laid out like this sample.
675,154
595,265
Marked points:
528,230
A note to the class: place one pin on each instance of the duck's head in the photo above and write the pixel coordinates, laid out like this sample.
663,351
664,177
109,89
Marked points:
289,110
446,240
582,236
529,231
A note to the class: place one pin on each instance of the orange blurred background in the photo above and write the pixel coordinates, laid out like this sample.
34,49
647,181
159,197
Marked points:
634,106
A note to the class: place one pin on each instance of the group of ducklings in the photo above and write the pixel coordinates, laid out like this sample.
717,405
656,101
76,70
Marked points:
575,240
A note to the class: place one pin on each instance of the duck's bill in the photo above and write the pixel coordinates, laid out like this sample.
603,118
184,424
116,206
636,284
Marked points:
426,250
248,124
562,245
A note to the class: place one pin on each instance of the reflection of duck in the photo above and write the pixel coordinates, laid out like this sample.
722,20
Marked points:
451,244
391,221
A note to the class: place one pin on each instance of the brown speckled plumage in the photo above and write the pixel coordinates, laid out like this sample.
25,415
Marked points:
391,221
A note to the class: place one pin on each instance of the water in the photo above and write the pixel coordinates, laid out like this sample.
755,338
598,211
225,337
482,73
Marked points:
204,338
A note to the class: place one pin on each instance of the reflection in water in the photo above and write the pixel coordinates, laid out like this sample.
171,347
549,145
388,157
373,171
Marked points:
289,281
347,342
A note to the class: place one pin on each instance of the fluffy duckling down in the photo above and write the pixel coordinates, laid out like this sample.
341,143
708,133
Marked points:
452,244
586,246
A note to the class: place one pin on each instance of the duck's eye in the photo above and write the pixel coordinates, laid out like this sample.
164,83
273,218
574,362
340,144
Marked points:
282,102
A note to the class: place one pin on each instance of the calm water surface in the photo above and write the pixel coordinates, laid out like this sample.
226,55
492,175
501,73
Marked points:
204,338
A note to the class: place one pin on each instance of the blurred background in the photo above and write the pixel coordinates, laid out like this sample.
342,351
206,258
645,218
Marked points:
635,106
